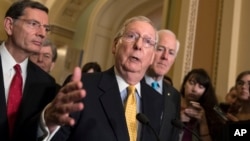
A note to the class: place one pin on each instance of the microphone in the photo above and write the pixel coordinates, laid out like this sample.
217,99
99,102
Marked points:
144,120
177,123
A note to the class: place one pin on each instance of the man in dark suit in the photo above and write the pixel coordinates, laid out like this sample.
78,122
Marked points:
100,116
166,52
26,25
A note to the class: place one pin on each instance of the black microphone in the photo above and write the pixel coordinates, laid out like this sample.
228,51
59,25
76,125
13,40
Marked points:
177,123
144,120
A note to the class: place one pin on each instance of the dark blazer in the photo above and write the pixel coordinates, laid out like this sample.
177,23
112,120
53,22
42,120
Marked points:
38,91
103,116
171,111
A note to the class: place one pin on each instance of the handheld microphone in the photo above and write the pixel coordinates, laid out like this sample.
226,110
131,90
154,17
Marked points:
177,123
144,120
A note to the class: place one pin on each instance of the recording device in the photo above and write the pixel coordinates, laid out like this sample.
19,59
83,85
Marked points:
177,123
144,120
218,110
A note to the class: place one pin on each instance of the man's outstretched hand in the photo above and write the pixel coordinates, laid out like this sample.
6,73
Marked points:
68,100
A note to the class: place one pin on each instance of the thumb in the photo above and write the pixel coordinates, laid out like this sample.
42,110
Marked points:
77,74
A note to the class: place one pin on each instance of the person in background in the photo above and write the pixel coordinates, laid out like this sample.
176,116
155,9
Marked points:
230,99
25,88
46,57
91,67
165,54
231,96
197,102
240,110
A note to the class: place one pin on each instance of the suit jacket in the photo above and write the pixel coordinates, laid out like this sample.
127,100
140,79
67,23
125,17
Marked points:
39,90
103,116
171,111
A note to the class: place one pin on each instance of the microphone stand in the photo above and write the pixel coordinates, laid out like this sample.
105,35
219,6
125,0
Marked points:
177,123
144,120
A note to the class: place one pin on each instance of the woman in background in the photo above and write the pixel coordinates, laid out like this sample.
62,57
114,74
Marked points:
197,102
240,110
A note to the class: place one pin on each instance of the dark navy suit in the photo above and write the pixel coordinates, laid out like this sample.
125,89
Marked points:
103,116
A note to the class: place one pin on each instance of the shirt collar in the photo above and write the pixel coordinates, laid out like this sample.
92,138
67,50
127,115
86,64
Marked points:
9,61
123,84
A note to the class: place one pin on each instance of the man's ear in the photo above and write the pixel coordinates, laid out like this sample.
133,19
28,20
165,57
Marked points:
52,66
114,46
8,25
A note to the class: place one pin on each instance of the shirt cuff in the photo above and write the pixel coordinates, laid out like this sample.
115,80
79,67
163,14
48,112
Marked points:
43,130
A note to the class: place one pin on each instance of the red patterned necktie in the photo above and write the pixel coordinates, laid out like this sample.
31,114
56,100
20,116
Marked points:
14,98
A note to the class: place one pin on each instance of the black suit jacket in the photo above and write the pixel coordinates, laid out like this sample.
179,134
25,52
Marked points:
103,116
171,111
38,91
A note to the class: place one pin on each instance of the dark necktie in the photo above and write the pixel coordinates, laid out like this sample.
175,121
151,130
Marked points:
14,98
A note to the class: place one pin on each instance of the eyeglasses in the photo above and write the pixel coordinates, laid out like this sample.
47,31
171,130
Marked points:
132,37
242,83
36,25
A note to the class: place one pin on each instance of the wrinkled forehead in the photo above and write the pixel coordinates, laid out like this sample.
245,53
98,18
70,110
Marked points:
141,27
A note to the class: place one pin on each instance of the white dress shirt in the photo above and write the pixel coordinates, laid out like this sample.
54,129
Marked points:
8,62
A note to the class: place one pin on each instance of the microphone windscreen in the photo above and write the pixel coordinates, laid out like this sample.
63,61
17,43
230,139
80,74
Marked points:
177,123
142,118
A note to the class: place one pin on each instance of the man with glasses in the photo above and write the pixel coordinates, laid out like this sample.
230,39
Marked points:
25,87
102,114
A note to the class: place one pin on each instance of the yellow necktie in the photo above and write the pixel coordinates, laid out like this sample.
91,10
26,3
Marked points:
130,113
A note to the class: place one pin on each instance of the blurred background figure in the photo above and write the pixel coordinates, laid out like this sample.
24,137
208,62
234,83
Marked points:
197,102
240,110
231,96
230,99
47,56
91,67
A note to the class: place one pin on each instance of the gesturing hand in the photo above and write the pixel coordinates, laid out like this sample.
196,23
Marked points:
66,101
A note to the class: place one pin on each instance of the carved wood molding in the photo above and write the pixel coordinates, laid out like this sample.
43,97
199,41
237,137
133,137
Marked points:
190,36
217,43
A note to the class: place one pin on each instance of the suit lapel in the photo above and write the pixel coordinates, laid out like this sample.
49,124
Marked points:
152,107
3,107
112,105
169,110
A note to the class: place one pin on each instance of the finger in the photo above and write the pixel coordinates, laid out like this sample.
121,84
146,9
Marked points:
196,105
71,86
232,117
77,74
69,108
73,96
67,121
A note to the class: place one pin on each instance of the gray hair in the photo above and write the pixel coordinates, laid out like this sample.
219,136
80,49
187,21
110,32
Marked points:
167,31
133,19
49,43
